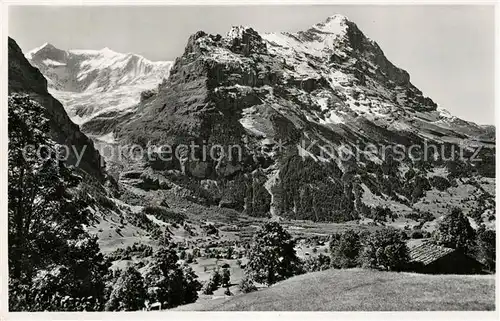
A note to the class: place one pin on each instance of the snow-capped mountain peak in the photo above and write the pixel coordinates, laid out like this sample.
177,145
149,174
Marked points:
336,24
444,113
328,85
101,70
103,51
46,51
46,46
91,82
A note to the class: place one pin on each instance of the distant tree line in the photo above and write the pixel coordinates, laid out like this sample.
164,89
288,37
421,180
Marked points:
272,256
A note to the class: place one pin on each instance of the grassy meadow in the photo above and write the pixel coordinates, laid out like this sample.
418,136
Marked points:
363,290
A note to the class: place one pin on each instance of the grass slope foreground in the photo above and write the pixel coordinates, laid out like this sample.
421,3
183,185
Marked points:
364,290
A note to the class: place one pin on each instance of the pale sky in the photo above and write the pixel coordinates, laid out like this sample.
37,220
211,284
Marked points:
447,50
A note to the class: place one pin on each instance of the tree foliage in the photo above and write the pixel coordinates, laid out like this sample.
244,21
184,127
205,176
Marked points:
455,231
54,264
168,282
486,244
226,277
272,256
385,249
129,292
317,263
345,249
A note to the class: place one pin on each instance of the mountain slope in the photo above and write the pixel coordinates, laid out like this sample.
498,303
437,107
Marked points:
97,84
24,78
330,75
114,222
363,290
295,104
282,97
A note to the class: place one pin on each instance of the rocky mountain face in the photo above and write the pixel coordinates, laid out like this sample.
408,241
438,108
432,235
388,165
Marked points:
330,77
26,79
97,85
295,104
282,96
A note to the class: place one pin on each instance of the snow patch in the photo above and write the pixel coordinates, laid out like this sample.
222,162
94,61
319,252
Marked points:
32,52
53,63
332,118
108,138
335,24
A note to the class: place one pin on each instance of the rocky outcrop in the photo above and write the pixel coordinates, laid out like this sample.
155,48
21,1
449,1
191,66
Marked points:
24,78
328,86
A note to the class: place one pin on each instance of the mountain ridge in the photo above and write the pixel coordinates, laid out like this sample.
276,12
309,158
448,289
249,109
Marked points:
94,84
274,94
278,91
24,78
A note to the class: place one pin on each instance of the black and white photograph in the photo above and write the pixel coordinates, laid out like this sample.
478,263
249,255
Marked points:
274,157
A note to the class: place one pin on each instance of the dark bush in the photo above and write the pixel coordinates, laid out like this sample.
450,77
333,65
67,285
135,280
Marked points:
417,234
440,183
247,285
210,229
316,263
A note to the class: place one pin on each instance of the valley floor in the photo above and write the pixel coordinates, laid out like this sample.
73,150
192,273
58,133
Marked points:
363,290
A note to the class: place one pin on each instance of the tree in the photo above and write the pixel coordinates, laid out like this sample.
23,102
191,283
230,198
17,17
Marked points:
208,287
417,234
129,292
229,252
345,249
486,243
272,256
54,264
168,283
386,249
191,284
212,283
247,285
217,278
226,277
380,213
455,231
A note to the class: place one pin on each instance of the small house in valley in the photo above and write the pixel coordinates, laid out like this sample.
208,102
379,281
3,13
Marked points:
426,257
